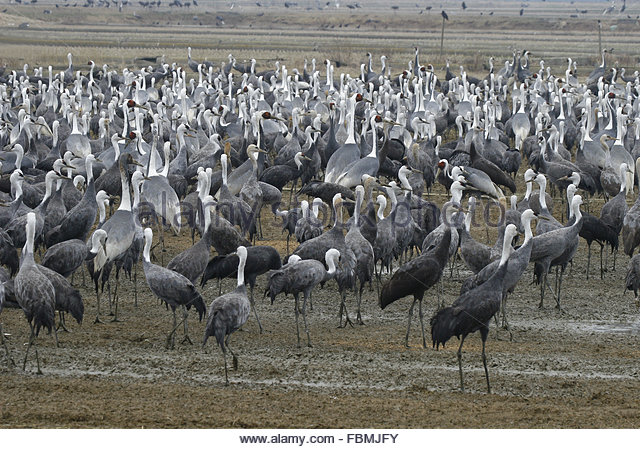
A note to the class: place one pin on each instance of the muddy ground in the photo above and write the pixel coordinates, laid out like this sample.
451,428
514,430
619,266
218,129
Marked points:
577,368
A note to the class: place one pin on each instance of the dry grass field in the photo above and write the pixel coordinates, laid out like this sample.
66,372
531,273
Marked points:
577,368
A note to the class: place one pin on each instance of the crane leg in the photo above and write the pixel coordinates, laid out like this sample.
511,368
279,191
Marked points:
358,313
97,320
559,288
420,314
484,362
460,362
295,184
115,299
235,359
171,338
135,284
304,318
615,253
226,375
3,341
61,322
55,334
505,323
32,342
343,306
253,306
601,268
297,318
588,259
185,316
406,338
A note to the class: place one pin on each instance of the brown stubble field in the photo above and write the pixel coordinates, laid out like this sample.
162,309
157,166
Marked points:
578,368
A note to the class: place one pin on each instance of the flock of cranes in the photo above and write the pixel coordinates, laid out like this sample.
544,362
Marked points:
209,153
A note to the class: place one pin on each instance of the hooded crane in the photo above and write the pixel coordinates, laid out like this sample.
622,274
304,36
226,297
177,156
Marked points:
516,265
554,248
473,310
301,276
66,257
77,223
228,313
120,227
362,250
260,259
34,292
317,247
414,278
172,288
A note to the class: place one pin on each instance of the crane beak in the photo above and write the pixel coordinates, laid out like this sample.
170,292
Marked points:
348,200
137,163
260,150
306,157
415,170
541,217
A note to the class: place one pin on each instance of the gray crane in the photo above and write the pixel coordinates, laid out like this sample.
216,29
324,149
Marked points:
77,223
473,310
158,193
556,248
66,257
347,153
34,292
232,208
316,248
631,228
260,259
516,265
475,255
384,243
362,250
16,228
251,193
172,288
2,339
414,278
308,226
301,276
120,228
632,280
192,262
228,313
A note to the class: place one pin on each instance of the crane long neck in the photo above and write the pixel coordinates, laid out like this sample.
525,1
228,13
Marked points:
337,209
241,264
374,141
528,234
125,201
224,171
543,199
28,245
89,169
16,186
146,253
506,249
356,210
102,211
623,182
527,195
331,263
351,138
